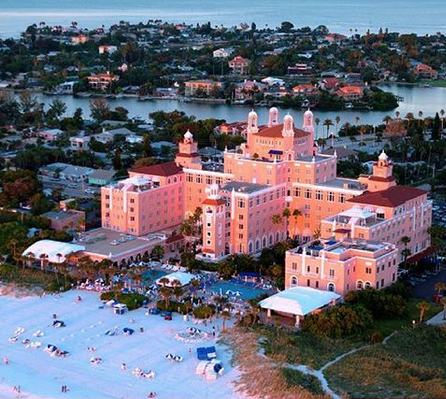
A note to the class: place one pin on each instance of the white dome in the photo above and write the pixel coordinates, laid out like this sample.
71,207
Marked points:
288,117
188,135
273,109
383,156
252,113
308,112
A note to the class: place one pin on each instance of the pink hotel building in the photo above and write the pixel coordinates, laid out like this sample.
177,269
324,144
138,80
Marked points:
360,222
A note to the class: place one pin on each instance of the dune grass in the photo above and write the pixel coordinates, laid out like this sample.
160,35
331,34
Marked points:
411,364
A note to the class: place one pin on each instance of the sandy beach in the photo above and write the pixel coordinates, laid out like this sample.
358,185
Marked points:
40,375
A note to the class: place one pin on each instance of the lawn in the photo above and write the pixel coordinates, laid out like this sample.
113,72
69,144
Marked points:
388,326
411,364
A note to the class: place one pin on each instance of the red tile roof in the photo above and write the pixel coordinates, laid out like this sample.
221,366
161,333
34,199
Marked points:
393,196
210,201
162,169
276,131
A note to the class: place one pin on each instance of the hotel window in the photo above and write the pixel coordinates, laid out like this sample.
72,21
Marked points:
189,178
132,200
218,180
132,219
294,266
308,268
240,236
297,192
308,283
341,198
330,196
208,179
199,179
332,273
317,284
241,203
132,209
307,193
319,195
368,270
107,197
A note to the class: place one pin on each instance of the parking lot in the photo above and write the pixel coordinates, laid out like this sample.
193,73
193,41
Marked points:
423,285
69,188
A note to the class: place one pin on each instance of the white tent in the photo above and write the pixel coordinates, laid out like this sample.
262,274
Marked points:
299,301
183,277
55,250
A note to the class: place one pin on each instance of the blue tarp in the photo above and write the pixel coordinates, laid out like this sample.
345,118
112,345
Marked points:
275,152
203,353
331,242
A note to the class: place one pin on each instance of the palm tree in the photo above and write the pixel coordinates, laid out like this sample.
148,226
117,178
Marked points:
406,251
164,281
225,314
317,121
165,293
43,258
277,218
442,118
296,214
195,283
286,213
387,119
31,257
420,115
410,118
327,123
440,287
423,307
337,120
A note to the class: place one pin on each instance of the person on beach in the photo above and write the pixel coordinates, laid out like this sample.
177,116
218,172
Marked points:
5,361
123,367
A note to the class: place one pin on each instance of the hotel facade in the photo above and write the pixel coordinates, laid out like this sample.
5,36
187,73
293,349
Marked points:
356,225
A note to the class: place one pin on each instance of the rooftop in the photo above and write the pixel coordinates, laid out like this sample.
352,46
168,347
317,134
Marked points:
299,300
391,197
242,187
276,132
113,244
162,169
351,184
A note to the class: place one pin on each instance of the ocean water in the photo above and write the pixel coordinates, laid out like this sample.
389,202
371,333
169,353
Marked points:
417,16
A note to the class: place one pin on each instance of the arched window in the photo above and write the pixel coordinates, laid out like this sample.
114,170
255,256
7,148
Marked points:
331,287
250,247
359,284
294,281
368,284
257,245
264,242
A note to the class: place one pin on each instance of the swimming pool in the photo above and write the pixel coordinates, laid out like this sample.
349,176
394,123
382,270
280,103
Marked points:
246,292
155,274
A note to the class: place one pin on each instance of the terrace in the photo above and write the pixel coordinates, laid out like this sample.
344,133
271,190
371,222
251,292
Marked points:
344,250
136,184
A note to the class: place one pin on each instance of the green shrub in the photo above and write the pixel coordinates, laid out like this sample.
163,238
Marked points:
339,321
132,301
376,337
49,281
381,304
204,311
172,307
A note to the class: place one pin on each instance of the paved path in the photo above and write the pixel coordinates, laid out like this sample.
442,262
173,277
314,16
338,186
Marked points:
437,320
